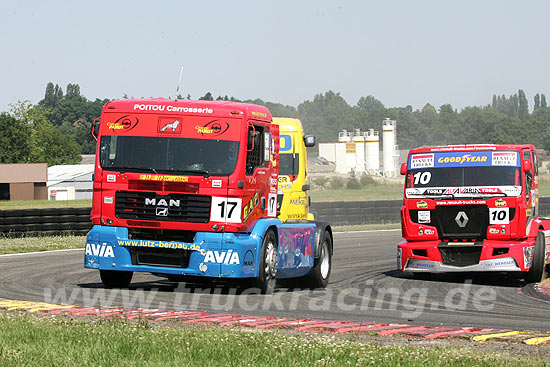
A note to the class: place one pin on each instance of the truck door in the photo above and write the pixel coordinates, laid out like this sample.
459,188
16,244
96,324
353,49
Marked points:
530,196
292,177
258,174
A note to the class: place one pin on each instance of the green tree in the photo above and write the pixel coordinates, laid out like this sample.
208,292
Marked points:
207,97
46,142
523,105
543,101
14,139
537,101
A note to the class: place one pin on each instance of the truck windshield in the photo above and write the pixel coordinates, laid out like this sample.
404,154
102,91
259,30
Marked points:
168,155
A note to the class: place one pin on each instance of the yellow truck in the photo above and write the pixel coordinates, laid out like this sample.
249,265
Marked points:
292,199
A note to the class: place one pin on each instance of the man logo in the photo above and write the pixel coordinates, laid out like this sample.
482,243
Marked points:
162,212
162,202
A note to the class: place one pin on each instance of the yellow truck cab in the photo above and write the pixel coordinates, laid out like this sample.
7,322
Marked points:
292,198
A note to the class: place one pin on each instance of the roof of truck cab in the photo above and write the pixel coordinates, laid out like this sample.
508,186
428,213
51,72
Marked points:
288,124
188,107
471,147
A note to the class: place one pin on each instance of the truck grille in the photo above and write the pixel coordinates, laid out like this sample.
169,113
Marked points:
460,255
160,257
462,221
173,207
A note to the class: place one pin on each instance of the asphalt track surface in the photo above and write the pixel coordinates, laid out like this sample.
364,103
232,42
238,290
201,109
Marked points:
364,287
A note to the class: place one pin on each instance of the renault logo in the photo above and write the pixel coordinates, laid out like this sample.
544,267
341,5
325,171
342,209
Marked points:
461,219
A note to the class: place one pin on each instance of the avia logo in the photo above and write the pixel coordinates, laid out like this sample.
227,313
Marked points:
169,125
99,250
213,128
162,202
222,257
461,219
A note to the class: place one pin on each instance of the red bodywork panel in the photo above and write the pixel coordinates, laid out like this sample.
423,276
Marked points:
435,216
219,121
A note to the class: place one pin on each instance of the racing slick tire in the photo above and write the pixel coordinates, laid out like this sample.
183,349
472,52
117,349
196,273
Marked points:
267,271
536,273
115,278
320,274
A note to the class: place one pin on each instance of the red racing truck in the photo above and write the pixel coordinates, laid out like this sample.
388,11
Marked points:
473,208
189,188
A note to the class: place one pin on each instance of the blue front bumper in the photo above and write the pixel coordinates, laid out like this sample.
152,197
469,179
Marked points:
218,255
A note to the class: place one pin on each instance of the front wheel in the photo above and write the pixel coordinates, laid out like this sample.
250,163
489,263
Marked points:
318,278
115,278
268,264
536,273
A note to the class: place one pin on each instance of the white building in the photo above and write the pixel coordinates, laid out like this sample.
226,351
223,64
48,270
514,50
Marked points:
70,182
359,151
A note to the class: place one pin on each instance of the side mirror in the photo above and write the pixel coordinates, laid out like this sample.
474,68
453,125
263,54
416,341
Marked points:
403,170
309,141
305,187
526,165
95,128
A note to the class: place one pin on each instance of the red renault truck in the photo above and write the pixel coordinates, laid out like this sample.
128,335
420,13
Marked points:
473,208
189,188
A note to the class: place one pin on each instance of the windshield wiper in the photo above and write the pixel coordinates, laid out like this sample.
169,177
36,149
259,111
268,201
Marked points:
124,169
201,172
441,197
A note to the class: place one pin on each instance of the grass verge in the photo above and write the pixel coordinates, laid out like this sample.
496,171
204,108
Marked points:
36,244
40,341
376,192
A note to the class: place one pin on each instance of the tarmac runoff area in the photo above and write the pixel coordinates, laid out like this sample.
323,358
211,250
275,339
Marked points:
363,269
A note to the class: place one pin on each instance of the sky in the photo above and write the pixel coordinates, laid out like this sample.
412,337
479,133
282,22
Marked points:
401,52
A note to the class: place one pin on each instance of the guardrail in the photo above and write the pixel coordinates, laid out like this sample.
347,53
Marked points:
54,221
41,222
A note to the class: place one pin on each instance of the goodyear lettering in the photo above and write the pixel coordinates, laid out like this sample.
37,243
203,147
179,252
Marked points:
222,257
95,249
462,159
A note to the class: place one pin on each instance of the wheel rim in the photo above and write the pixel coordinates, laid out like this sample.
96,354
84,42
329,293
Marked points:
325,264
270,265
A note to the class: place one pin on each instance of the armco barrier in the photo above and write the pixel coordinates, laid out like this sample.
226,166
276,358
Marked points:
28,222
40,222
358,212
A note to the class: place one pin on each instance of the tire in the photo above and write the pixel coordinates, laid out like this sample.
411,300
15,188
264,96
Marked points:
115,278
267,271
536,273
322,267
